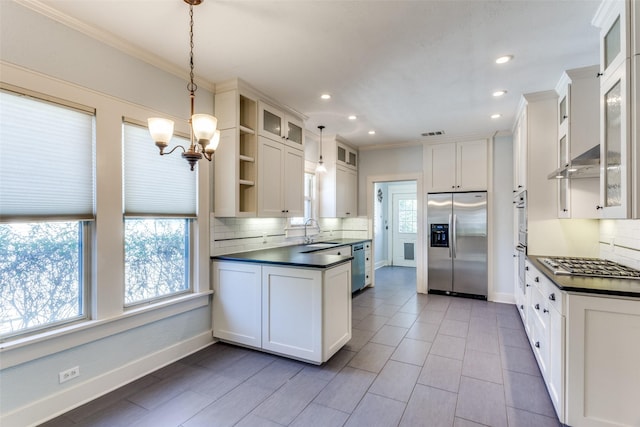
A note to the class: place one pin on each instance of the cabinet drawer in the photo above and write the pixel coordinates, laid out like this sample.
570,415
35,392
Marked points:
554,297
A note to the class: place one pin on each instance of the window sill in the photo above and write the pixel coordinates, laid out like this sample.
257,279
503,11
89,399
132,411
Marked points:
22,350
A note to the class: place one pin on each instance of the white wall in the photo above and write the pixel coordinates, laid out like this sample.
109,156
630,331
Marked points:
115,346
398,161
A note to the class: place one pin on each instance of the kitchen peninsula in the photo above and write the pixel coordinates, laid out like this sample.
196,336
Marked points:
294,301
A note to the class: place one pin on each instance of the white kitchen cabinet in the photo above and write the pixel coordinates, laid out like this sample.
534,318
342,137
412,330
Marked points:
546,333
346,156
619,182
295,321
578,132
280,179
235,164
280,126
459,166
615,148
237,302
292,312
603,350
296,312
338,186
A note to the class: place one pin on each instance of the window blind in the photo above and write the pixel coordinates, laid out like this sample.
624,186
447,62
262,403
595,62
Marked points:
156,185
47,160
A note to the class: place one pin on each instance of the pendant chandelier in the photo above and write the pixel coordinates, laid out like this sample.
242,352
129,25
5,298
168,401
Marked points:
204,136
321,168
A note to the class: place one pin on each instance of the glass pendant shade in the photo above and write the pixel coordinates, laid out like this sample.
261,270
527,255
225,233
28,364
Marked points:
204,126
321,168
213,143
161,130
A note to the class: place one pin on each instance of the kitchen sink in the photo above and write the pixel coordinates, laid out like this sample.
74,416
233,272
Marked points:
321,245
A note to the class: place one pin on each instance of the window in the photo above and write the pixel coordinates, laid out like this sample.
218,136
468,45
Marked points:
309,199
160,207
407,216
46,209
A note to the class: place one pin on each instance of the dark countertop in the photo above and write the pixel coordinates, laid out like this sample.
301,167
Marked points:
294,256
591,285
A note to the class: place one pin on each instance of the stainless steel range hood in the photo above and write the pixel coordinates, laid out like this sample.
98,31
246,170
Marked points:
586,165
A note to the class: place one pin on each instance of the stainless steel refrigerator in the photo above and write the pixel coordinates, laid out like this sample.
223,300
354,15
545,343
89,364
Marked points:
457,253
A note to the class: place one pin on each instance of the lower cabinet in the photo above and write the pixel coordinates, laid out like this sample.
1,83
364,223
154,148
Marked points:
588,349
300,313
603,361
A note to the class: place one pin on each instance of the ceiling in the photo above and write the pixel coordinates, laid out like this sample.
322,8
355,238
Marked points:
402,67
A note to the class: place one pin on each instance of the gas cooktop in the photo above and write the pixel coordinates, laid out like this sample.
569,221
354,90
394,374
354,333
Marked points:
591,267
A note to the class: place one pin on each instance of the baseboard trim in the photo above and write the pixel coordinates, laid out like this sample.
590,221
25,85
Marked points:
57,404
380,264
502,297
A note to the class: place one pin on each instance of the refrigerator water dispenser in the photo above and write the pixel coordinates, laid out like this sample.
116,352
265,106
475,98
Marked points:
439,235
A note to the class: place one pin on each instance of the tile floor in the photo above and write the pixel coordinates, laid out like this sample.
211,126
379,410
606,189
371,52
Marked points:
414,360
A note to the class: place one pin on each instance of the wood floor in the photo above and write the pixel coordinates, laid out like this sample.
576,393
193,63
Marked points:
414,360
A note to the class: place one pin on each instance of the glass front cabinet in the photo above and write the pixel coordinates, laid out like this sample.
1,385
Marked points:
617,166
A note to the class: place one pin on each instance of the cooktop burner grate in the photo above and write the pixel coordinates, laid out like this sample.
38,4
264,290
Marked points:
591,267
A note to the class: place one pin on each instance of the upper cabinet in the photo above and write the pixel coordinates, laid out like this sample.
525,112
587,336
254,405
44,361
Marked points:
259,164
458,166
339,184
619,187
235,167
578,144
520,154
280,126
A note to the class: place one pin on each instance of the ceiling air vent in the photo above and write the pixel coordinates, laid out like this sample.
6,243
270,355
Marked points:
435,133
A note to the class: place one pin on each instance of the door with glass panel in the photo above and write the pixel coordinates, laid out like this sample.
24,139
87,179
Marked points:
405,229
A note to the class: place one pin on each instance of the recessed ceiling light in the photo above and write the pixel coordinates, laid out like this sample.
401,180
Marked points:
496,116
352,117
499,93
372,132
325,96
504,59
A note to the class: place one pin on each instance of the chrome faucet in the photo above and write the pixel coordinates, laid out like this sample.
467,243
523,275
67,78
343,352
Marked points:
309,239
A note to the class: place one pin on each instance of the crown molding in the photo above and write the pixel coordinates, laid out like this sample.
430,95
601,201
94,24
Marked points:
112,40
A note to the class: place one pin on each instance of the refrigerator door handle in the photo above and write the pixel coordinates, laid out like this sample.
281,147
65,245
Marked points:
452,243
455,235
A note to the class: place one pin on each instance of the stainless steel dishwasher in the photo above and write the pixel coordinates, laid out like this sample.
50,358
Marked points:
357,267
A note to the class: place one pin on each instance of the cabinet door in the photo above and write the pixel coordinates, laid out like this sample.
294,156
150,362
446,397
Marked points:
295,132
293,182
614,37
336,316
471,165
237,303
555,367
441,167
520,154
292,312
346,193
270,185
615,158
271,122
603,350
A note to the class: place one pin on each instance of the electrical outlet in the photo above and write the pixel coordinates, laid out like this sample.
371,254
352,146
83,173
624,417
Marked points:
69,374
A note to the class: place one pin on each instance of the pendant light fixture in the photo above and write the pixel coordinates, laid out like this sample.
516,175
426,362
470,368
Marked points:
204,136
320,168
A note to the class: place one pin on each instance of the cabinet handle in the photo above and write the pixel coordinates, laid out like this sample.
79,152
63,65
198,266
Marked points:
599,75
537,306
537,279
552,297
598,207
519,186
282,211
537,344
521,307
565,210
526,268
545,310
367,259
565,117
339,253
453,186
528,285
457,186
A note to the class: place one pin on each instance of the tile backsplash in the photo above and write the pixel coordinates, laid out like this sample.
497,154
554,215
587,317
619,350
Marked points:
229,235
620,241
